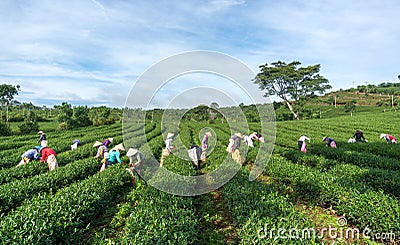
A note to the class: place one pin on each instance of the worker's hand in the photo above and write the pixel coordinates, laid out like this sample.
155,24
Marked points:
366,141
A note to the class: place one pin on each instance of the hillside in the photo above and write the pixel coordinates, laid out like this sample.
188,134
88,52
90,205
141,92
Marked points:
361,98
375,99
369,95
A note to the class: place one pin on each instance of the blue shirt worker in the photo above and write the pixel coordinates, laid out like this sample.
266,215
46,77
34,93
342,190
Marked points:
115,155
32,154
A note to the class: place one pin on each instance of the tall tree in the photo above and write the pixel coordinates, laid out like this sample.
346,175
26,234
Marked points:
31,117
350,107
81,116
65,113
291,83
7,92
213,110
214,105
100,115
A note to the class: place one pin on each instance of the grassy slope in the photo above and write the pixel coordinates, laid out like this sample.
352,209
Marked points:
361,98
322,107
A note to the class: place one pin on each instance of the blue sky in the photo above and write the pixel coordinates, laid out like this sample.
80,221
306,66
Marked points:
91,52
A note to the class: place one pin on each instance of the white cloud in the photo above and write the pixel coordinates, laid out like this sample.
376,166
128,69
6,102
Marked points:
99,46
354,40
219,5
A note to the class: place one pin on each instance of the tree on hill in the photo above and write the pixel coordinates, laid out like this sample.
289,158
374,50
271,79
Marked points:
30,125
212,110
69,117
65,113
251,113
202,113
81,116
7,92
290,83
350,107
101,116
31,117
214,105
199,113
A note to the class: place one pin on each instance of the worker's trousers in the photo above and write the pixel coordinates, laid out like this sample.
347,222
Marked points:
236,156
52,162
23,161
165,152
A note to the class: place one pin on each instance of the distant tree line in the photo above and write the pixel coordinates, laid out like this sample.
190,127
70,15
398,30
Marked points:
383,88
28,114
82,116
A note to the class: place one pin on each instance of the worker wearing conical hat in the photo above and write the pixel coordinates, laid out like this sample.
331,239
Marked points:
114,155
135,167
169,147
48,155
204,146
359,136
102,153
42,136
233,147
29,155
108,142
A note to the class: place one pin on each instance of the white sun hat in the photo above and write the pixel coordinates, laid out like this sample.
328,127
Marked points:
132,152
119,147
